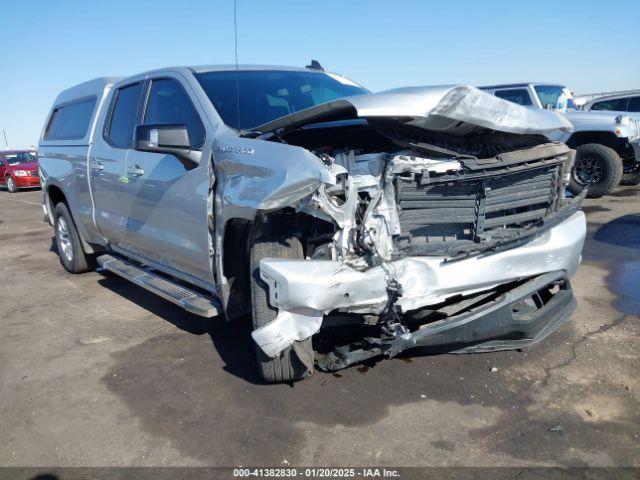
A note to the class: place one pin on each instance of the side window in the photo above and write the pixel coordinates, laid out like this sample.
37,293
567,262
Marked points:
634,104
70,121
618,104
169,103
123,116
515,95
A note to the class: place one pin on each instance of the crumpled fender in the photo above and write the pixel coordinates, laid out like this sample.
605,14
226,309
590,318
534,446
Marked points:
255,175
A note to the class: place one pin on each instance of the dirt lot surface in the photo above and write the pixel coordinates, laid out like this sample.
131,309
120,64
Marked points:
95,371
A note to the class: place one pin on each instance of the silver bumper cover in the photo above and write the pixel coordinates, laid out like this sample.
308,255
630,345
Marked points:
304,291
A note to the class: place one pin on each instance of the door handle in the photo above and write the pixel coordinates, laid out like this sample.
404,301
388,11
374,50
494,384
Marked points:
97,165
136,171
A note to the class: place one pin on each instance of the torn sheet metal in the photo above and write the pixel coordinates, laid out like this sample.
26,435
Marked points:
304,291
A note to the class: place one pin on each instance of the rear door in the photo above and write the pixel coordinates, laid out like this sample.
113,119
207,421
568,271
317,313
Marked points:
166,201
107,162
634,104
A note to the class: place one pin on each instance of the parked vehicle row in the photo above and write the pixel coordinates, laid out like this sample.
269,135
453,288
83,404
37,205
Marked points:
431,216
607,143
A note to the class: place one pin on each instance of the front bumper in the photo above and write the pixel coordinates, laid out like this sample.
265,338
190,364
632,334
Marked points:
636,148
632,164
304,291
500,324
27,181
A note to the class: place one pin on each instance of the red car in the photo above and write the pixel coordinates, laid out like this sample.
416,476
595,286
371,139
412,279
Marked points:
19,169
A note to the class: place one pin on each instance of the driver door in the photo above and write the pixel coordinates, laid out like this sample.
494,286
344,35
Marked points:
166,201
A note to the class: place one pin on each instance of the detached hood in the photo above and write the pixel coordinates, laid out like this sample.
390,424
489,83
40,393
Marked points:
454,109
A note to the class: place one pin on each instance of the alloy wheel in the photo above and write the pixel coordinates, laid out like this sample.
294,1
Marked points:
64,239
589,171
11,184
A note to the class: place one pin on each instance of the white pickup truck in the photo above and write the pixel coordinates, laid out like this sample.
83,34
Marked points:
607,142
293,197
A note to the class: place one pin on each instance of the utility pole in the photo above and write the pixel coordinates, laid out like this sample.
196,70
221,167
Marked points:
5,138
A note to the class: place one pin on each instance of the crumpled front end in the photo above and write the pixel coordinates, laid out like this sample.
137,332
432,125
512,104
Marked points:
305,291
422,226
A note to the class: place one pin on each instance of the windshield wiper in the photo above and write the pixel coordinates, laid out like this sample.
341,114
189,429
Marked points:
249,133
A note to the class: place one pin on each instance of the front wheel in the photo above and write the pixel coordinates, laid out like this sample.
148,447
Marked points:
597,168
11,185
287,366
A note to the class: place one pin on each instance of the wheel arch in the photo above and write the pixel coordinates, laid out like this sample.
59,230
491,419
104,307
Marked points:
55,195
234,264
608,139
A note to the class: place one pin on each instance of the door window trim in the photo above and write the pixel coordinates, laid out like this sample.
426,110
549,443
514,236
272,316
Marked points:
107,124
147,93
88,98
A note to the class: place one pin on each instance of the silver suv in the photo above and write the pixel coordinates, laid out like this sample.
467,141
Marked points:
607,143
618,103
347,224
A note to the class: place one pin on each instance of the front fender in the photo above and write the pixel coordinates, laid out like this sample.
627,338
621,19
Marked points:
254,176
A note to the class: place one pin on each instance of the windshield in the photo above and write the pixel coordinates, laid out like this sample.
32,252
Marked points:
19,158
558,96
267,95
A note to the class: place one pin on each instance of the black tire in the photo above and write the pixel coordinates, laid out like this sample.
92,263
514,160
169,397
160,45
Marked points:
287,367
11,184
72,256
601,163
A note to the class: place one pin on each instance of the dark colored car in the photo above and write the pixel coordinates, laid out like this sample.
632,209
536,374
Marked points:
19,169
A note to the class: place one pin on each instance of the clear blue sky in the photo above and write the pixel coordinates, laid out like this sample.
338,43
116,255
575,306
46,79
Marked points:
47,46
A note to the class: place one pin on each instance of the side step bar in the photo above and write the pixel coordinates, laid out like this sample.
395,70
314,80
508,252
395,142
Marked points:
190,300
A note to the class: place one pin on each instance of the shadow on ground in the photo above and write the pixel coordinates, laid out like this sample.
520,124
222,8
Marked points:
623,232
213,407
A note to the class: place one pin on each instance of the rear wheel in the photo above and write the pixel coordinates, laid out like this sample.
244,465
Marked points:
72,256
11,185
598,168
286,367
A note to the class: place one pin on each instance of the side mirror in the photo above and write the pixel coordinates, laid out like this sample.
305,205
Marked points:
168,138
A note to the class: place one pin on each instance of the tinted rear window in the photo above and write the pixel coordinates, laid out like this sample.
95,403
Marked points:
71,121
634,104
618,104
123,116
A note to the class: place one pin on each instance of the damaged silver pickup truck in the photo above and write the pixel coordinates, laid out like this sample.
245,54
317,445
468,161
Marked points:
350,224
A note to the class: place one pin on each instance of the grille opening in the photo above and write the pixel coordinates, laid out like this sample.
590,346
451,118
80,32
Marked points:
473,211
